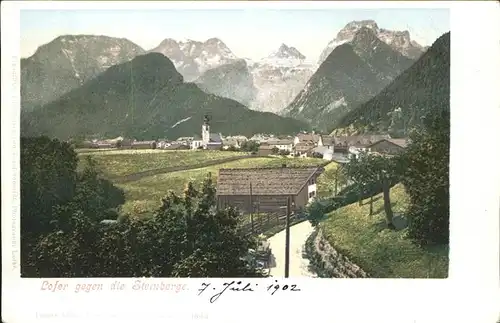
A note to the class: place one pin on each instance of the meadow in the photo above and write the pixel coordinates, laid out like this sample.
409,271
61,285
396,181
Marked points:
144,195
383,253
122,162
325,184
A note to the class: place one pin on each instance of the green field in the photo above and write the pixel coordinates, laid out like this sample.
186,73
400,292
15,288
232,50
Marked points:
380,252
144,195
114,163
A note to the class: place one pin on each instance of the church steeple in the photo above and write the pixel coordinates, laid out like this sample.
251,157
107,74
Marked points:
205,130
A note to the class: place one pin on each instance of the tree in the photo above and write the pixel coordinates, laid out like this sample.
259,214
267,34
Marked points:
370,172
56,201
275,150
62,234
250,146
426,180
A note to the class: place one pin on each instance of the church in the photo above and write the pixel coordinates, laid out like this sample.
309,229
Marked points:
212,141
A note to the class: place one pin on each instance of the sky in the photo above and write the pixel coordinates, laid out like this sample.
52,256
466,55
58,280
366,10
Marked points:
250,33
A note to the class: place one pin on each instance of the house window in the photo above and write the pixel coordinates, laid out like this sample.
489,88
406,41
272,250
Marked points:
312,181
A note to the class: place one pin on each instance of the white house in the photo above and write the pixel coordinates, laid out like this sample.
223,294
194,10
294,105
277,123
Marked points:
196,144
307,138
281,144
311,189
260,138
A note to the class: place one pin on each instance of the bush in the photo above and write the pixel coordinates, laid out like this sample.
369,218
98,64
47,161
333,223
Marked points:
316,211
62,234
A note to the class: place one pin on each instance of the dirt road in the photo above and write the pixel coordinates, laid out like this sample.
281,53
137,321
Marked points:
298,265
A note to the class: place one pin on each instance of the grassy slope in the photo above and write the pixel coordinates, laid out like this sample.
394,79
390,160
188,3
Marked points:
382,253
326,181
144,195
125,162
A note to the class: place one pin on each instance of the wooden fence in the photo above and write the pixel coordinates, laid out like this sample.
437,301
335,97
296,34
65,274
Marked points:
262,223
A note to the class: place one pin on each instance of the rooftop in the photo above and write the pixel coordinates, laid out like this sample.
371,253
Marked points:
264,181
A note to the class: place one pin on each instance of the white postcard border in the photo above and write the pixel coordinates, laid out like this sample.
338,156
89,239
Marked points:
470,294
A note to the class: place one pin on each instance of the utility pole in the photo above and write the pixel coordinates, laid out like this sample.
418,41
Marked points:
287,239
251,208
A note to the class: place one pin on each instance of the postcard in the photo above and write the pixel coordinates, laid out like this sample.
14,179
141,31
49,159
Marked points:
241,161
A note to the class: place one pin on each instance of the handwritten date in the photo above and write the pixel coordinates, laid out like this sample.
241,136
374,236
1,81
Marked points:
240,286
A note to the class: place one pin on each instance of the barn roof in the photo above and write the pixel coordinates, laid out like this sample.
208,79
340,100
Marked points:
304,146
305,137
328,140
264,181
360,139
401,142
280,142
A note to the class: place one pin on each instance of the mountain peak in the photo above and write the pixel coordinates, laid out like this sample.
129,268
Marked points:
214,40
368,23
285,51
352,28
192,58
364,34
398,40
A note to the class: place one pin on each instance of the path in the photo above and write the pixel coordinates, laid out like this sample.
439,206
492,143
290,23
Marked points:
298,265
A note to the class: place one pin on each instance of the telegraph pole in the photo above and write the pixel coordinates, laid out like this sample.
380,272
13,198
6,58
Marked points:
251,208
287,239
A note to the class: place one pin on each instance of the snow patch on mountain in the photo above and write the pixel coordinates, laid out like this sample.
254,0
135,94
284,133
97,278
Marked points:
279,77
180,121
336,104
192,58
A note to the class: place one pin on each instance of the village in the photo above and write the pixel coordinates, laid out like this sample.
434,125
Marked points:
332,148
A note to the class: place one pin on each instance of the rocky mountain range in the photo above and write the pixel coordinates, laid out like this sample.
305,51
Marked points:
146,98
400,41
192,58
67,62
422,89
351,74
278,78
359,63
268,84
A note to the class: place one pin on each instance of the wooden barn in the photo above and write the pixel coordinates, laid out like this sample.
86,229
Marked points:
266,190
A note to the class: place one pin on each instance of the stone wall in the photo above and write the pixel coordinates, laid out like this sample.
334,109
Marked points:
326,262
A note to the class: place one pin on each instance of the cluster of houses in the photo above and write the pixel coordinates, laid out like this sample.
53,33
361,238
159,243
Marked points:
333,148
338,148
266,190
